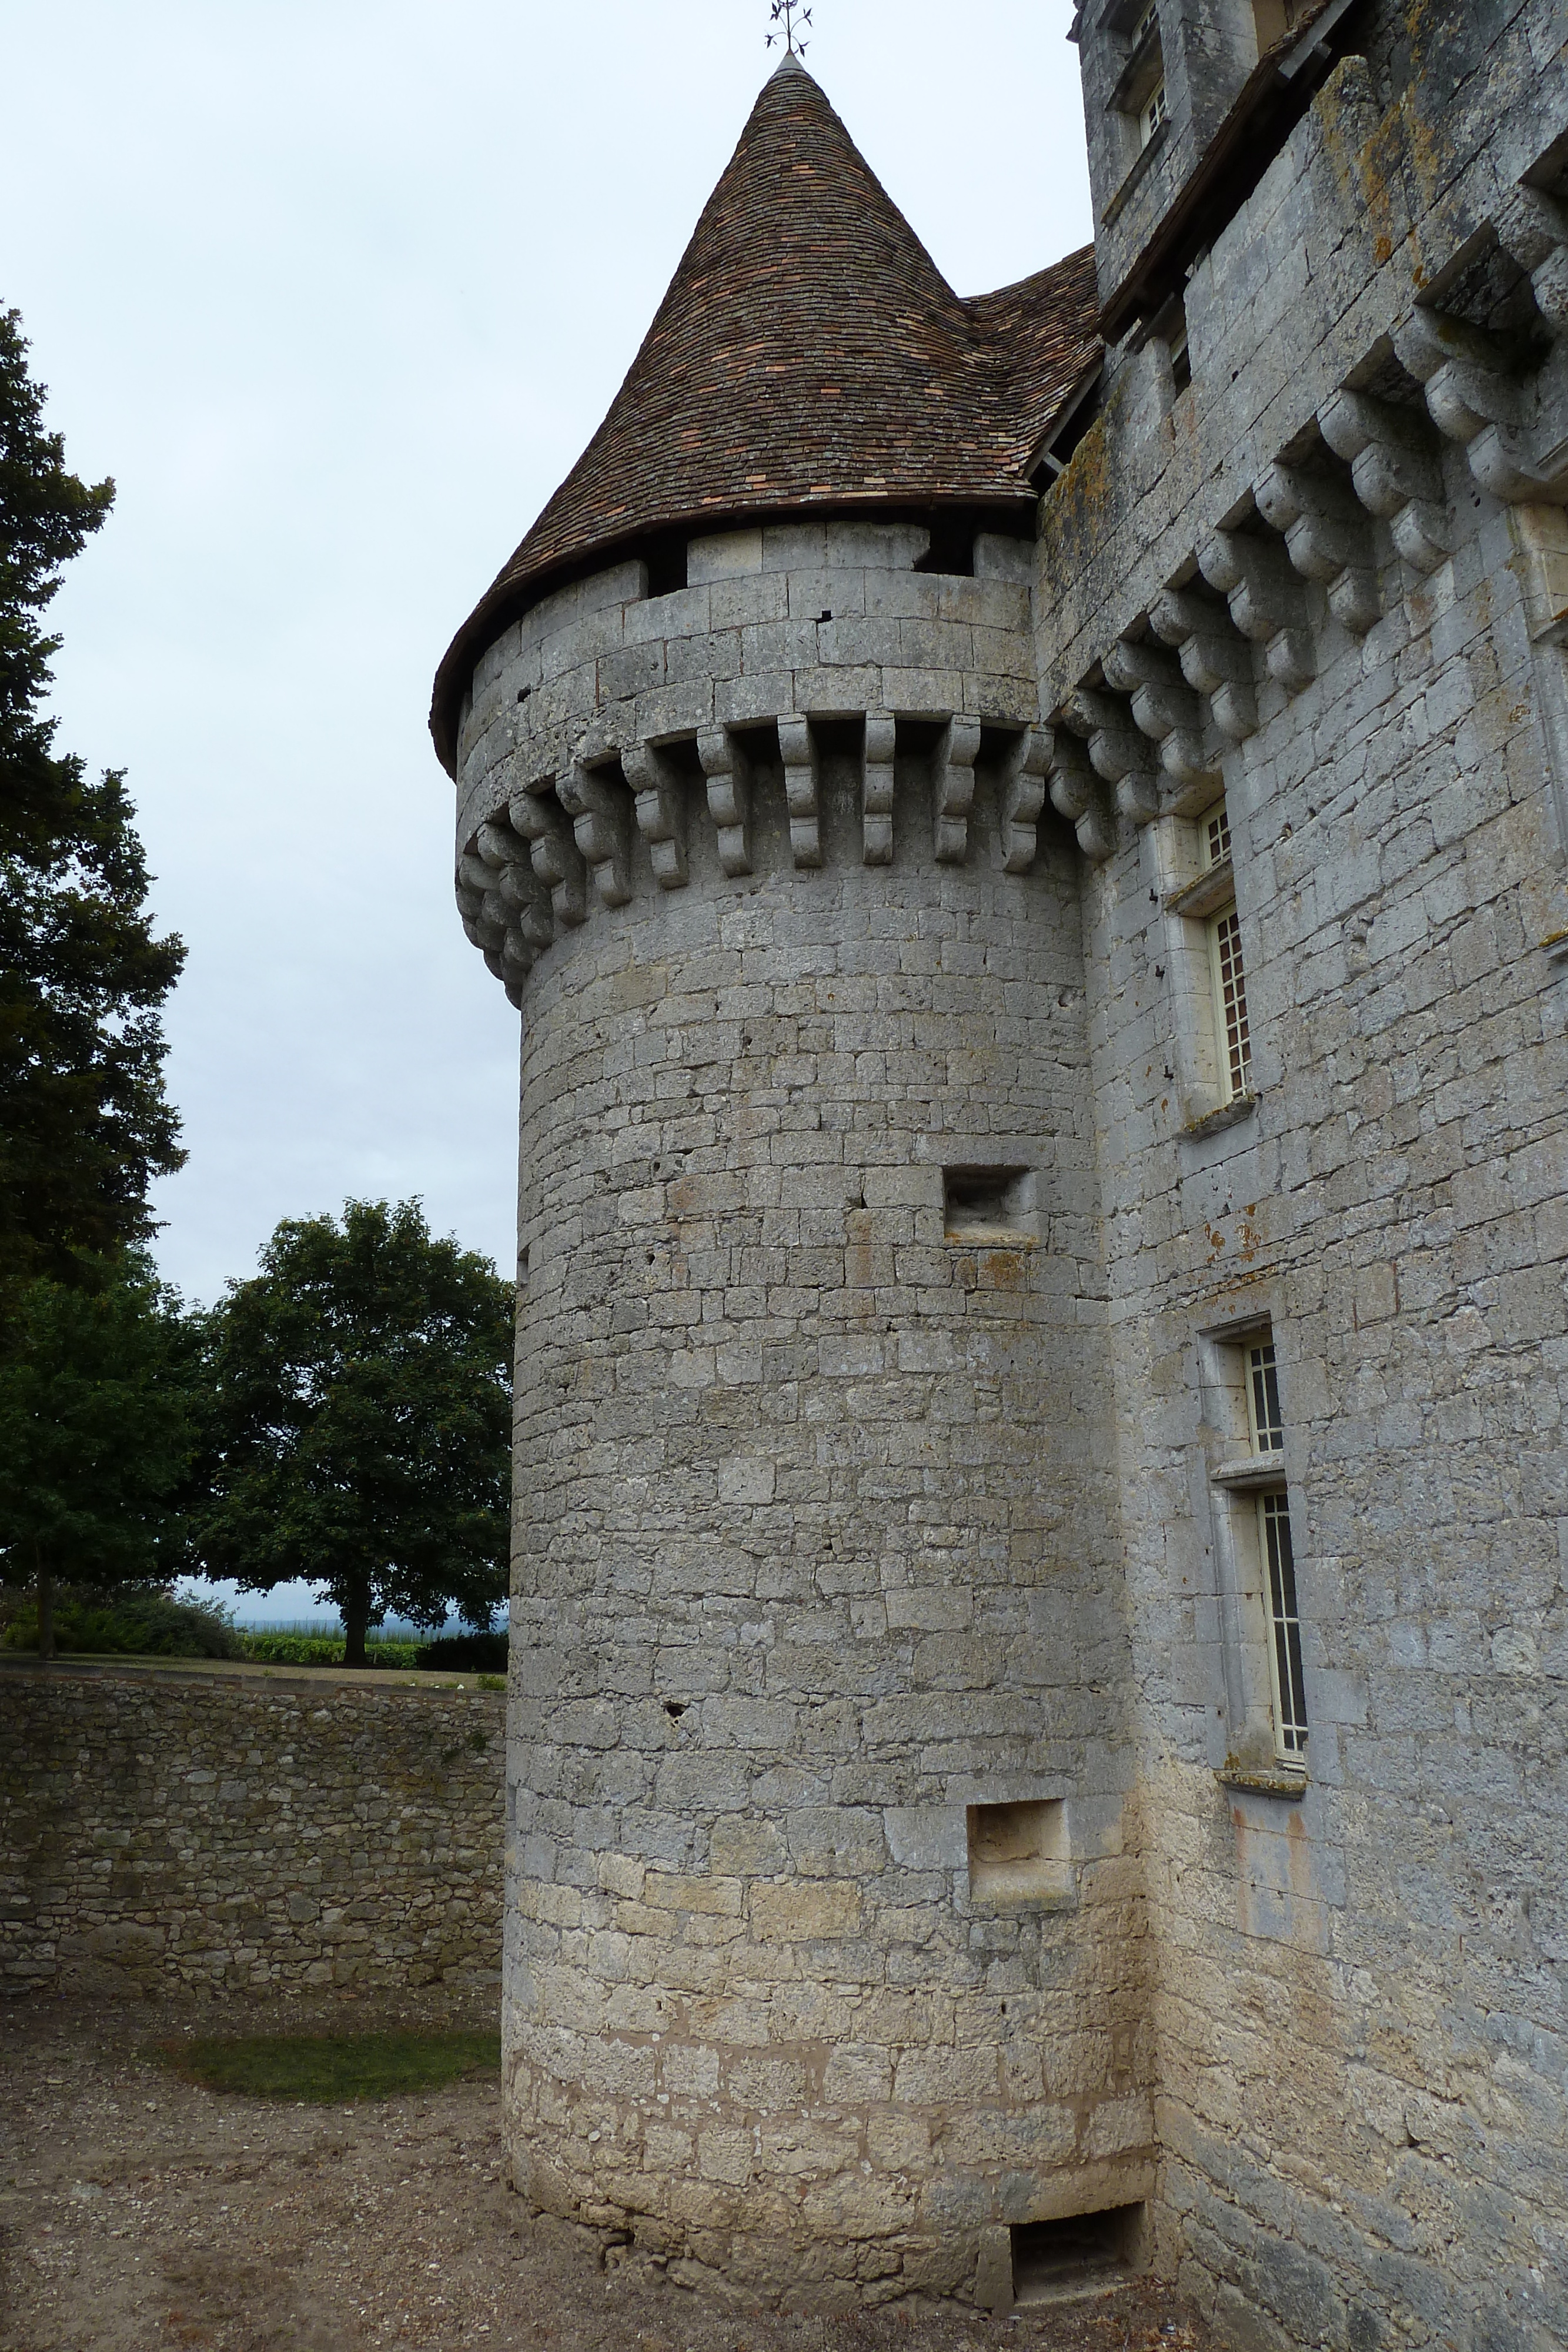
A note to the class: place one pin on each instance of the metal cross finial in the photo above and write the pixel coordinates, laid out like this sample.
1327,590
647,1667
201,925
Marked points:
784,11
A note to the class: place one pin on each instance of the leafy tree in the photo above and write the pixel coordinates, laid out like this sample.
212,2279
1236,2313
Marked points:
96,1431
84,1123
360,1418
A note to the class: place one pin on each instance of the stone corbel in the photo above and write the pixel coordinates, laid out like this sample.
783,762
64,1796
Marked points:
798,749
661,820
1266,601
1079,794
1327,539
1021,796
599,827
480,932
1534,228
728,776
1393,472
514,904
528,906
953,777
1473,398
1164,709
472,880
876,790
1116,751
1216,659
1541,565
543,823
490,865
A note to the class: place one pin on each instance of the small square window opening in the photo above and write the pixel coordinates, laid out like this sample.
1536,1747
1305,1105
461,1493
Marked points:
1018,1853
1217,833
986,1204
1155,114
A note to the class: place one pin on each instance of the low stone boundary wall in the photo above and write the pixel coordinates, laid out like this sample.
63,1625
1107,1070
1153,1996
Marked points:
207,1831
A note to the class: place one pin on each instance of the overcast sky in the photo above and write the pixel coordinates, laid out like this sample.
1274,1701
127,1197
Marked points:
337,293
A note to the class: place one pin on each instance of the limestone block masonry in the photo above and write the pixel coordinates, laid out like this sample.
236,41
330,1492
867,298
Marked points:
813,1525
1040,1605
196,1834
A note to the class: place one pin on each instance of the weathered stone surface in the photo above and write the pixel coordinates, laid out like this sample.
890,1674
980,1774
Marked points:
200,1833
845,1505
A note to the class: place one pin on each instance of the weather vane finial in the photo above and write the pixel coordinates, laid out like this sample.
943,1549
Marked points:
784,11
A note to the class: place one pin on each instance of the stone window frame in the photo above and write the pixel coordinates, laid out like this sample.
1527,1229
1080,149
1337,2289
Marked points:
1199,897
1246,1469
1139,104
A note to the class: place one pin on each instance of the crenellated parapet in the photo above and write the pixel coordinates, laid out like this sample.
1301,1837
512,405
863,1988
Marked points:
609,729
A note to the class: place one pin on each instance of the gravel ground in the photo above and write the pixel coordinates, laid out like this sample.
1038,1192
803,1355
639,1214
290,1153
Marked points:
138,2212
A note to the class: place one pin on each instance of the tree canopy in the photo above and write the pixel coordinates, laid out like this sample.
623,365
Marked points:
85,1125
359,1395
96,1430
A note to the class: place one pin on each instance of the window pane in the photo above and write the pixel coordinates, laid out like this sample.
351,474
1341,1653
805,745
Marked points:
1230,1000
1263,1398
1285,1627
1217,833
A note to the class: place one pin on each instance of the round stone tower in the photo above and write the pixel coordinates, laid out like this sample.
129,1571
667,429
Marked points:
823,1962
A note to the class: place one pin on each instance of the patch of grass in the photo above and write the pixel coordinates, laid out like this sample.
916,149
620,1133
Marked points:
323,2067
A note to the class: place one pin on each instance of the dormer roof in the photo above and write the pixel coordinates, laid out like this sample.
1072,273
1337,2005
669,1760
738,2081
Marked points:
808,354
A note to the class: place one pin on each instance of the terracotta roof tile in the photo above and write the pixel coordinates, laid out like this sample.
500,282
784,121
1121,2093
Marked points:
809,353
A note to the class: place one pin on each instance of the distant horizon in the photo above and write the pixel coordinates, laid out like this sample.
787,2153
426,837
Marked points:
296,1606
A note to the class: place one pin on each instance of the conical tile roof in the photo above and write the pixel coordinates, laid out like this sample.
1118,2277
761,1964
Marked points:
809,354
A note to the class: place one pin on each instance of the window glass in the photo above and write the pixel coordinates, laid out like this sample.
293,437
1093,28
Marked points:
1267,1423
1230,1002
1284,1626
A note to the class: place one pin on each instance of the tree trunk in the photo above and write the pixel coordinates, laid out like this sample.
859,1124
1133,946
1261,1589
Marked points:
356,1618
46,1610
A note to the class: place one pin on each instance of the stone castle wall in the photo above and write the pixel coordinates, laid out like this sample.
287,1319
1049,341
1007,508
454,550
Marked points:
1358,1994
840,1530
813,1544
198,1833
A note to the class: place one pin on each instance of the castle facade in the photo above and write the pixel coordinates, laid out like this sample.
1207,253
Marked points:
1029,836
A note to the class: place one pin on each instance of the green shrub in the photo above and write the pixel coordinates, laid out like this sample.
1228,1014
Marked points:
323,1650
135,1624
464,1653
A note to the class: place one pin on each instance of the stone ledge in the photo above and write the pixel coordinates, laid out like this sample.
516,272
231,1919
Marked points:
1292,1786
1216,1121
1253,1474
1212,889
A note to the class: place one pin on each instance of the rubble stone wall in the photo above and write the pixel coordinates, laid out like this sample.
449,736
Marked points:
198,1833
